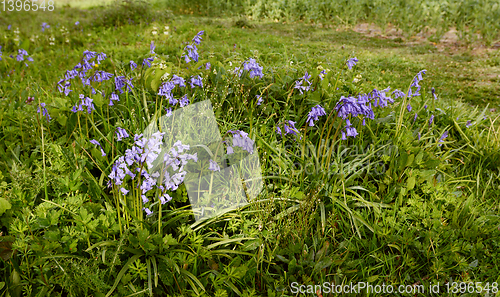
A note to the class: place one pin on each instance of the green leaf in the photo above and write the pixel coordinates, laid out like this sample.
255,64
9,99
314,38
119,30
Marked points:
411,182
4,205
122,272
61,119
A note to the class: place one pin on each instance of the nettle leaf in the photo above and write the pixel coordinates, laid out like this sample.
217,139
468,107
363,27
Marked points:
168,240
4,205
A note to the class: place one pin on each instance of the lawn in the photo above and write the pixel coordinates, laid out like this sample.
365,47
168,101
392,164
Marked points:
222,149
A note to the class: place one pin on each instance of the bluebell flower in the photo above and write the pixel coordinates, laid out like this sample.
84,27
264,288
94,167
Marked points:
148,212
152,48
77,23
165,198
434,93
100,76
431,120
290,128
425,106
88,55
101,57
196,81
177,80
45,112
147,61
45,26
259,99
419,136
0,53
351,62
124,191
121,133
9,26
445,134
133,65
230,150
379,98
398,94
415,117
121,82
300,84
314,114
95,142
415,84
408,107
192,52
253,68
469,123
207,66
112,98
21,54
214,166
169,111
241,139
184,101
197,38
322,74
166,89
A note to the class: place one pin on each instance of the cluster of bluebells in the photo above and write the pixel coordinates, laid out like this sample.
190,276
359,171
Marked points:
84,101
121,134
192,50
240,139
289,128
143,155
21,54
252,67
414,84
351,107
44,111
167,87
0,53
80,71
303,84
122,82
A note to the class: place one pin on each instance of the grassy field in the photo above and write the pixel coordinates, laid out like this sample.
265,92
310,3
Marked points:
410,198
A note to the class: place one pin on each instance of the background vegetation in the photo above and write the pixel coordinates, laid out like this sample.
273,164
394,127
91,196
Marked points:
397,204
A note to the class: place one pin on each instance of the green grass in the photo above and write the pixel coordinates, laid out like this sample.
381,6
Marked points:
423,213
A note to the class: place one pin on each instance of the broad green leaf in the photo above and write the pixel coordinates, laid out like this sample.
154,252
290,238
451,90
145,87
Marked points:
4,205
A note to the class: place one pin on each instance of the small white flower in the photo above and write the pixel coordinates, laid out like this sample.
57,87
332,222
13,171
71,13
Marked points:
166,33
167,27
230,64
291,63
164,77
89,35
154,32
